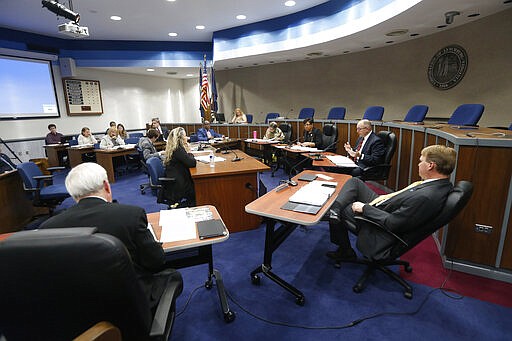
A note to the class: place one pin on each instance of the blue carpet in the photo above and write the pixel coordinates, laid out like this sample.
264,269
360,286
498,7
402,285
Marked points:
330,300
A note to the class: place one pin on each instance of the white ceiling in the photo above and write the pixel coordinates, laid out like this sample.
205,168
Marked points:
152,20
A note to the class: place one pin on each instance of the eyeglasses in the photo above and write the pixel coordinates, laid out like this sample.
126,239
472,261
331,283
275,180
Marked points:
361,128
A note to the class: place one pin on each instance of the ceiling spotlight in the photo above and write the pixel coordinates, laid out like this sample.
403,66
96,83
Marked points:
199,27
115,18
61,10
450,15
289,3
172,34
241,17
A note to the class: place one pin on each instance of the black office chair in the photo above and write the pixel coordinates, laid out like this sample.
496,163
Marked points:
160,184
40,188
329,137
380,172
51,291
145,170
278,157
286,128
381,247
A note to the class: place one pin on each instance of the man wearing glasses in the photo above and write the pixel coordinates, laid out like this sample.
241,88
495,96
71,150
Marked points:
369,149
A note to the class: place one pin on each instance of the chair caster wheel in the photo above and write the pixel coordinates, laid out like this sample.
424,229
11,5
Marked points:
357,288
300,300
229,316
408,295
337,265
408,268
255,279
208,284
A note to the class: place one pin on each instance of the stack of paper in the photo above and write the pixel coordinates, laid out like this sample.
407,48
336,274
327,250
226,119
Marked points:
304,149
314,193
176,226
341,161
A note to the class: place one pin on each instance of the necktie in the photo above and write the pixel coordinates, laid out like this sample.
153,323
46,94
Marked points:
358,147
381,198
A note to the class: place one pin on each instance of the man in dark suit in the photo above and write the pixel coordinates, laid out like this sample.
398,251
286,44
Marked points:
415,204
206,132
88,184
369,149
164,132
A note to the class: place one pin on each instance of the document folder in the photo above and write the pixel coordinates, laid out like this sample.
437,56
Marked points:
210,229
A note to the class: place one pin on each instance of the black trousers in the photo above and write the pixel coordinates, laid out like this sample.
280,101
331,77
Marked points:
353,190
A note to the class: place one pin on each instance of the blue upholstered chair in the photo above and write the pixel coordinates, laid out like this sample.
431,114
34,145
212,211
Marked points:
249,118
336,113
467,114
374,113
510,126
73,142
137,135
271,116
40,188
306,113
417,113
161,184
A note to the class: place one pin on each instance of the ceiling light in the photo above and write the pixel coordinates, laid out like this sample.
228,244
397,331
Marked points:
150,70
171,0
199,27
396,33
115,18
289,3
172,34
190,75
241,17
172,73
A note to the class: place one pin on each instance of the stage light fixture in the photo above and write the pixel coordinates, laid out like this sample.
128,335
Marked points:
61,10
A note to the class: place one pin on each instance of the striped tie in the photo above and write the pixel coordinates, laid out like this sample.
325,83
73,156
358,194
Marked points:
358,148
381,198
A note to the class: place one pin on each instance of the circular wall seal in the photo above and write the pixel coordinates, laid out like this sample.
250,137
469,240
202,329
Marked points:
447,67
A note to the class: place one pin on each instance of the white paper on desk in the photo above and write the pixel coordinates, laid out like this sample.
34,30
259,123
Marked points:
128,146
150,228
206,158
176,226
312,194
304,149
341,161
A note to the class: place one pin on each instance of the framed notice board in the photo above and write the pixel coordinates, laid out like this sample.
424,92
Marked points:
83,97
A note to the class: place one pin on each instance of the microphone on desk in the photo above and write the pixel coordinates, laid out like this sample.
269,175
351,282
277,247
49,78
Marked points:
318,155
236,158
293,142
294,183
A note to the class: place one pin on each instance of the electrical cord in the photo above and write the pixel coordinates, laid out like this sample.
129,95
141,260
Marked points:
189,299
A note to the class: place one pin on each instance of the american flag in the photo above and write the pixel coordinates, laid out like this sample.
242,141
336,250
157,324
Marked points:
205,100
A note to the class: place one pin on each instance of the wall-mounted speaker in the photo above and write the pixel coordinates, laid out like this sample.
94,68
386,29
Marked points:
67,67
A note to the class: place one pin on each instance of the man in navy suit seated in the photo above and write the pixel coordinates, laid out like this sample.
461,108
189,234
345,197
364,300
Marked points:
369,149
206,133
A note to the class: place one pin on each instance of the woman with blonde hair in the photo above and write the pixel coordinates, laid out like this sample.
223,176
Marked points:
177,162
239,116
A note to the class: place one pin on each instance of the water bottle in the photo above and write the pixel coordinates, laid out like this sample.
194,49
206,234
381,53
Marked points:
212,159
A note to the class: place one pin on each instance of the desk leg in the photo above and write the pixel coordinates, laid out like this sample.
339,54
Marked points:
229,315
273,239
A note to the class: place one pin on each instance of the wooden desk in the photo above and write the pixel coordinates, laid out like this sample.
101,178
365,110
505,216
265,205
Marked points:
16,210
264,149
269,206
75,154
229,186
181,250
160,145
226,144
53,151
104,158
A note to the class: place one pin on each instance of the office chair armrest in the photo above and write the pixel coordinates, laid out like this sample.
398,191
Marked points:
381,228
167,179
162,323
53,169
43,178
369,168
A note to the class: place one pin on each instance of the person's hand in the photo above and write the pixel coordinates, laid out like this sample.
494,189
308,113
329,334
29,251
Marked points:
347,147
357,207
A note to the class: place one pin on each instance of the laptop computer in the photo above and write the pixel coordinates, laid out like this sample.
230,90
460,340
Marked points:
220,118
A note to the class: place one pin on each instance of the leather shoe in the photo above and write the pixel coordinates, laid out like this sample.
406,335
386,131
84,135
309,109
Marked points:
342,255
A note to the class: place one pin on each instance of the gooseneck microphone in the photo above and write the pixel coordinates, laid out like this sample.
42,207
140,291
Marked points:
236,158
318,154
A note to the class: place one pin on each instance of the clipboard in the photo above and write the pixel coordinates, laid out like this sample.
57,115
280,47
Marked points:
210,228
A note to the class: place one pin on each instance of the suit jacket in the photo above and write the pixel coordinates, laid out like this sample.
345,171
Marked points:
163,136
400,214
127,223
373,151
202,134
178,168
315,135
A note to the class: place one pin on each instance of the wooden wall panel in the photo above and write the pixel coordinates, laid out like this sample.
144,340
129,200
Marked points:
489,169
405,158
